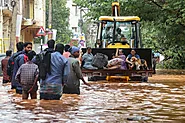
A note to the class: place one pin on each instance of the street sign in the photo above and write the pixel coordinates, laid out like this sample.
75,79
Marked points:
41,32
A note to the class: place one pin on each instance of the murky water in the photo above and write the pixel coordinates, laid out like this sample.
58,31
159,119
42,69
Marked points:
162,100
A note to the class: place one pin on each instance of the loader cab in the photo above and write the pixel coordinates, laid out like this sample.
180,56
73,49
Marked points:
118,32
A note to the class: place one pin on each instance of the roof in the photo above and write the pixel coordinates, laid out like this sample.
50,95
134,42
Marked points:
120,18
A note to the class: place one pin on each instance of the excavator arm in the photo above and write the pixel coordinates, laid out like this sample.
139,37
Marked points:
115,9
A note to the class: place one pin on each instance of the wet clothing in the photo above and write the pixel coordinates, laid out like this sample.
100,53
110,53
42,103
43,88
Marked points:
73,82
49,96
20,60
4,64
52,85
66,54
87,60
71,90
25,94
26,75
123,63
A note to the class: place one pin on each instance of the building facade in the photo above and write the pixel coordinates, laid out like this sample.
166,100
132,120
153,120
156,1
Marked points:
74,18
75,24
5,24
32,13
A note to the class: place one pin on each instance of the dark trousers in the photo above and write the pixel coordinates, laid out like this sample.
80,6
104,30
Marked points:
46,96
18,90
67,90
25,94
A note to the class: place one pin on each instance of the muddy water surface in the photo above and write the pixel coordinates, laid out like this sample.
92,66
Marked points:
162,100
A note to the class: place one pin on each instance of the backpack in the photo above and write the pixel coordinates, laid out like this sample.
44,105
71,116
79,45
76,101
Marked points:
43,61
11,62
100,60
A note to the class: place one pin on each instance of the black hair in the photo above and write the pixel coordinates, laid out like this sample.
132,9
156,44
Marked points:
19,46
88,48
27,43
60,48
121,51
51,44
66,48
8,52
31,54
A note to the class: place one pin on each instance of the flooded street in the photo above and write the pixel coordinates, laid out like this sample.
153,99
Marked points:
161,100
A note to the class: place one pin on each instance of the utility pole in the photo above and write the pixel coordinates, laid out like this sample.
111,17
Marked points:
50,15
81,21
13,25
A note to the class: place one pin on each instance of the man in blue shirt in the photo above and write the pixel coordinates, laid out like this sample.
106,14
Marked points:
132,60
21,59
10,69
52,87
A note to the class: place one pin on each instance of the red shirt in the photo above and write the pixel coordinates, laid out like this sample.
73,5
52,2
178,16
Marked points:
4,64
66,54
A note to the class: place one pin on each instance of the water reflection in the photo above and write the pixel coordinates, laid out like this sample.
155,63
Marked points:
162,100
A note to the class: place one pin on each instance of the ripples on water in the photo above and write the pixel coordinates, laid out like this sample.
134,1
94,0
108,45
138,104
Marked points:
162,99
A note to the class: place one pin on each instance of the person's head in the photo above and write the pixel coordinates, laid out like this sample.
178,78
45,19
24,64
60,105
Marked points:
75,51
31,54
133,52
66,48
89,50
120,52
20,46
51,44
27,46
59,48
123,38
8,52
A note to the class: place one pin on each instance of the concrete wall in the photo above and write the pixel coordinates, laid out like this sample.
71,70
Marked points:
74,16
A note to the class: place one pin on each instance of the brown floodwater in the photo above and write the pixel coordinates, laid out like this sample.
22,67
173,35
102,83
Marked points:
162,99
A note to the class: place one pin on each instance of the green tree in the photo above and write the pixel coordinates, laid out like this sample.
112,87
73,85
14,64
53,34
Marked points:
60,15
163,24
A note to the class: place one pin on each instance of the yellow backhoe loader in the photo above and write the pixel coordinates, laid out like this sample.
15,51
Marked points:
121,32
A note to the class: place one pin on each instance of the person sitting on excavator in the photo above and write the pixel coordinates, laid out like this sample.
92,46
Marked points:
133,60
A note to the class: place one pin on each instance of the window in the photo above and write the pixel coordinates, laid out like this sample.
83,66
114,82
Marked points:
28,9
74,29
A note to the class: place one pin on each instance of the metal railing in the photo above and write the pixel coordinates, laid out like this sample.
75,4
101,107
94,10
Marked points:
6,4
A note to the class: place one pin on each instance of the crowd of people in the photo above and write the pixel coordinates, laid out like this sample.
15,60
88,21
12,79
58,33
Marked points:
118,61
57,68
56,71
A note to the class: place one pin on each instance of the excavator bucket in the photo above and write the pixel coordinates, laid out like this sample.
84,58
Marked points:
144,53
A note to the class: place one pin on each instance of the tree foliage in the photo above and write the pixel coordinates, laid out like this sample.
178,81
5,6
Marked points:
60,15
163,24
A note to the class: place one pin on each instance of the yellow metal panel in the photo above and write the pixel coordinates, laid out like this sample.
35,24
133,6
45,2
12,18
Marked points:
120,18
115,4
118,45
113,78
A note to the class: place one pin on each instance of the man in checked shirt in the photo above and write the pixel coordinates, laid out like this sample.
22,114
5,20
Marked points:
27,76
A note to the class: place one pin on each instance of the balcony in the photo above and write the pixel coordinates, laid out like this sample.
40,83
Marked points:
6,6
